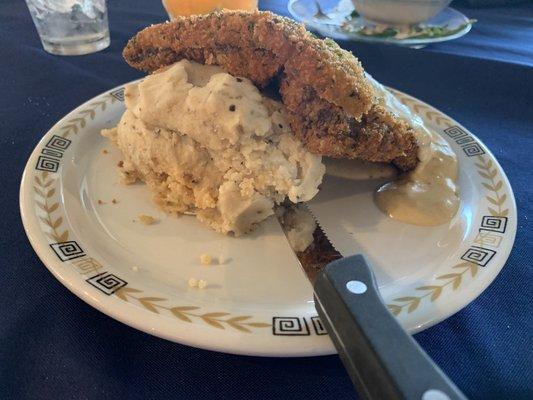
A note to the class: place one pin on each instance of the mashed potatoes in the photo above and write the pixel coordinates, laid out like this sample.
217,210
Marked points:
209,143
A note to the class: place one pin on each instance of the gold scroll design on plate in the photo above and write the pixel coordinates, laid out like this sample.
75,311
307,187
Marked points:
456,276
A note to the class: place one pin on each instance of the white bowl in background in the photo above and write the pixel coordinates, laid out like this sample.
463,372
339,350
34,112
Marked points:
399,12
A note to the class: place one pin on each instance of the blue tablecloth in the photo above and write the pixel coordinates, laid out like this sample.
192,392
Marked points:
54,346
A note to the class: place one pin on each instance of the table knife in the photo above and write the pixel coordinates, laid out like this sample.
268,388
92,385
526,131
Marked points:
383,361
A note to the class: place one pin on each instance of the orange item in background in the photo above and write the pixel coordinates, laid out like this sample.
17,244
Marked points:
190,7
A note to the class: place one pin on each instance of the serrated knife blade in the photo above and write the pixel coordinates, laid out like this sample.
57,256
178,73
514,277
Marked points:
317,256
336,209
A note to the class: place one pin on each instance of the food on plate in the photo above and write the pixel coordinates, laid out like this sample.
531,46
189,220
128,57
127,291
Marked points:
207,132
429,194
206,259
209,143
146,219
202,284
332,107
197,283
299,225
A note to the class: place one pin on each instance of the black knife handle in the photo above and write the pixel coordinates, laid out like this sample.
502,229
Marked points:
383,360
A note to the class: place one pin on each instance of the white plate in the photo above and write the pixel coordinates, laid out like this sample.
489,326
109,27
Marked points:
258,302
337,13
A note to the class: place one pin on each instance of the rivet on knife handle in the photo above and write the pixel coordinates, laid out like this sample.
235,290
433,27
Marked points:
383,361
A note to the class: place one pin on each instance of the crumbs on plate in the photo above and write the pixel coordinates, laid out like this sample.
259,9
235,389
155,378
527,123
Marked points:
206,259
197,283
202,284
114,201
146,219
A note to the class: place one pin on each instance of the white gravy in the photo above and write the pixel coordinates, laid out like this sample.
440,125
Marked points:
428,195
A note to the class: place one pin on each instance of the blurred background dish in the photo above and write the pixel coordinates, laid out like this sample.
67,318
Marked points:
399,12
341,20
190,7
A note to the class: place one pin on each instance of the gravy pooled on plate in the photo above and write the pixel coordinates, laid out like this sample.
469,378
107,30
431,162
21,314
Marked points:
428,195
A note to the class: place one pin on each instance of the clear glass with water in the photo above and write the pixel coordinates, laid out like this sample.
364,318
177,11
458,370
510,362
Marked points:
71,27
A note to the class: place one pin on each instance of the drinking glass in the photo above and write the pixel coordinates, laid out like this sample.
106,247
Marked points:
71,27
177,8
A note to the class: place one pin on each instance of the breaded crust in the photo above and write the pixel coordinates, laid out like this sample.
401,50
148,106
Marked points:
332,107
328,130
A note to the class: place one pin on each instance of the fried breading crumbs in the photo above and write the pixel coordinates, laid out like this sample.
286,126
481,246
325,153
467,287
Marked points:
202,284
197,283
146,219
206,259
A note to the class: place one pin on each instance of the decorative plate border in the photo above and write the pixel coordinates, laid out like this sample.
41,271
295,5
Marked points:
492,227
492,230
68,250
